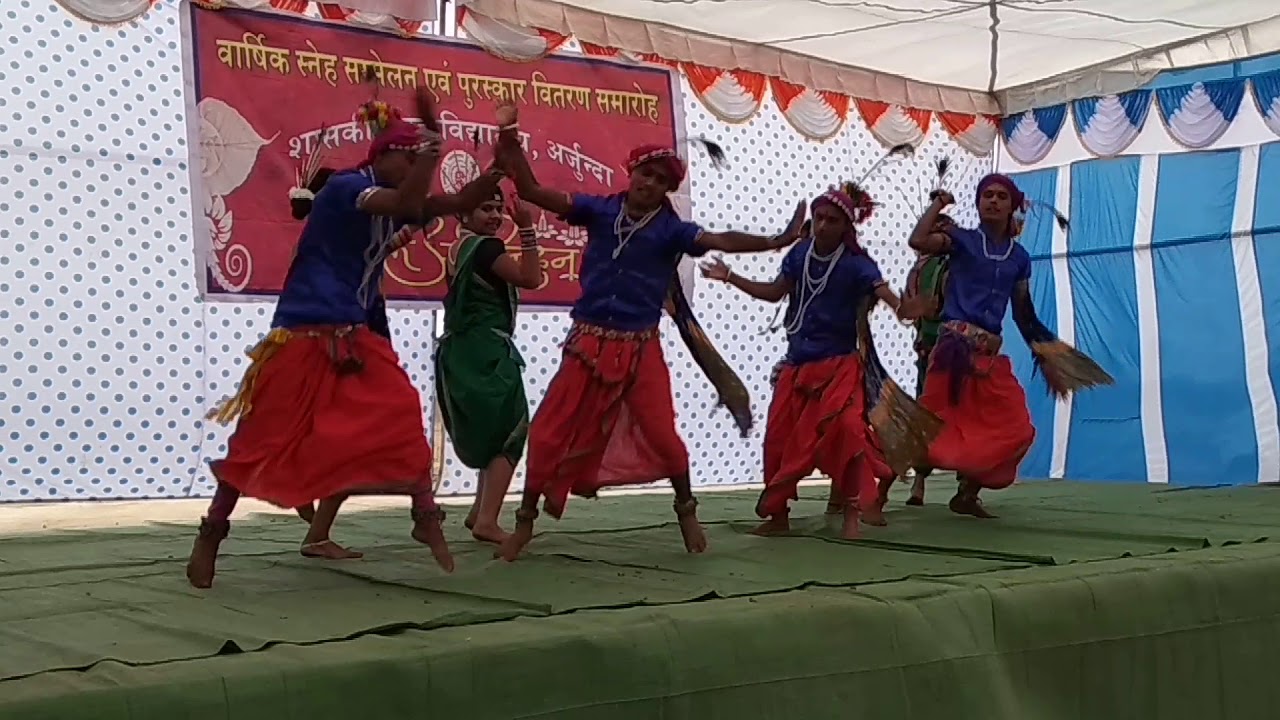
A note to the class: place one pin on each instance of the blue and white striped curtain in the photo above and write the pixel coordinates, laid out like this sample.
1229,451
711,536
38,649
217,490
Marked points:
1170,278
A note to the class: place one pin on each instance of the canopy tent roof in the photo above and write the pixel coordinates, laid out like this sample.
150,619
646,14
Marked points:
958,55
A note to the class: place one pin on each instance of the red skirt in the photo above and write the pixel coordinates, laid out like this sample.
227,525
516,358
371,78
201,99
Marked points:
879,466
987,433
312,433
607,419
817,420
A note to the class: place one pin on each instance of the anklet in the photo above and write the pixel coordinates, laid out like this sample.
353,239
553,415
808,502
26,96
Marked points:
436,513
685,508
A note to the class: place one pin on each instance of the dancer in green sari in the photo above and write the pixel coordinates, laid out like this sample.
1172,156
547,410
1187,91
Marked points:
479,380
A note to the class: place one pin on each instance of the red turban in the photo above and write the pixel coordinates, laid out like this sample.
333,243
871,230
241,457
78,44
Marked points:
656,153
854,203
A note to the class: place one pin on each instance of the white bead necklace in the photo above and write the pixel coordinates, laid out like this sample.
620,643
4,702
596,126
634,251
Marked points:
381,230
810,287
626,228
986,251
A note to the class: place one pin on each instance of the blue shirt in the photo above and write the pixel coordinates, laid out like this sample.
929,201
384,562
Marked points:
829,326
336,249
627,294
979,283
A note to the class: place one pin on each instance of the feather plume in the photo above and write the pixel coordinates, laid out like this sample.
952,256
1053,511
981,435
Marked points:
943,164
732,391
896,150
718,159
425,104
1061,219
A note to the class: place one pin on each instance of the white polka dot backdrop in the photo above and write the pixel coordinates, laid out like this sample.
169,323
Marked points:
109,359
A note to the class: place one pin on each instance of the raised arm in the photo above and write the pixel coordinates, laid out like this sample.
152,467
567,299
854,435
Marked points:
767,291
731,241
923,237
405,202
511,159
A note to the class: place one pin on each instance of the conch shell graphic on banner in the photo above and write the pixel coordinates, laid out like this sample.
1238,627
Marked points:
228,150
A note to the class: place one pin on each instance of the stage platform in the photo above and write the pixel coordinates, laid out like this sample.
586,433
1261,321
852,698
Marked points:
1081,602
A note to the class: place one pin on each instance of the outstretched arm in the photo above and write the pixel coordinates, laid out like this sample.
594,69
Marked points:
767,291
404,202
731,241
471,196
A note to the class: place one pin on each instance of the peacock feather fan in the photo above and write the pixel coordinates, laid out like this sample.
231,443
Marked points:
904,427
732,391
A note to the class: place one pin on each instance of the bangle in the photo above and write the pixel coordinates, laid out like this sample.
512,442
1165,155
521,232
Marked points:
512,126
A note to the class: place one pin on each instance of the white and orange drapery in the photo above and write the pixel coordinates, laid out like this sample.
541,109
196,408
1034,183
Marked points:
731,95
735,96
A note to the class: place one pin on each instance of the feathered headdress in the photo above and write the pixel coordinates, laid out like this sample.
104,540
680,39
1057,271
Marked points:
308,178
388,130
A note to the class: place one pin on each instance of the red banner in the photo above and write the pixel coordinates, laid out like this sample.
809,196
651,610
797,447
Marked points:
272,89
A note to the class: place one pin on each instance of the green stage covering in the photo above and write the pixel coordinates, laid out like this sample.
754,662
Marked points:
1081,601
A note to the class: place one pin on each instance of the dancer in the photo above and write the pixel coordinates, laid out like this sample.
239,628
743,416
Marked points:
818,415
925,280
324,409
608,418
969,384
479,381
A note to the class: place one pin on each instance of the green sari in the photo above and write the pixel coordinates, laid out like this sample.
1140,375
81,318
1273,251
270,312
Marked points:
479,381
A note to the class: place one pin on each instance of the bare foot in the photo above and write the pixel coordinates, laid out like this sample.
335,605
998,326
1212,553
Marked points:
487,532
835,508
470,522
515,543
917,492
964,504
849,530
306,512
882,490
978,510
695,540
555,510
873,515
427,530
775,525
202,565
329,550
